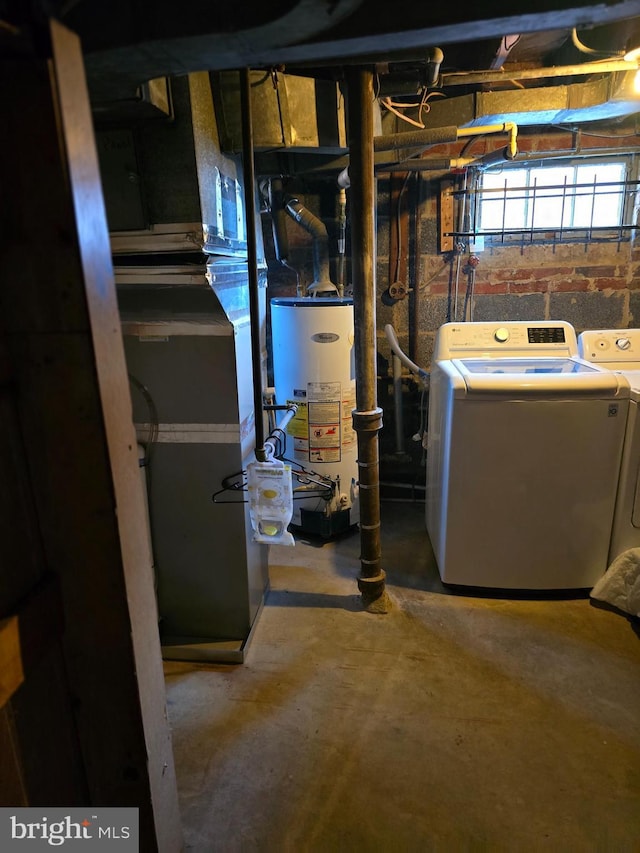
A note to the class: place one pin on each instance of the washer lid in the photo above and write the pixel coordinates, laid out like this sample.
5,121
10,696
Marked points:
539,376
633,378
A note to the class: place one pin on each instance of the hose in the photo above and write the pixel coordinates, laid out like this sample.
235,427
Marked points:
395,347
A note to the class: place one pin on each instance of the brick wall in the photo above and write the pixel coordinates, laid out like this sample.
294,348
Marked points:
591,285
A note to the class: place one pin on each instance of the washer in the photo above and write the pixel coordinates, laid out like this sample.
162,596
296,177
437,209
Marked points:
524,445
619,350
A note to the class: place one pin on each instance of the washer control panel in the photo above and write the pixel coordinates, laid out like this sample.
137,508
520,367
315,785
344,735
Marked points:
535,338
610,345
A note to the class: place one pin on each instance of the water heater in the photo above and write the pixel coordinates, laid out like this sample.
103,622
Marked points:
313,366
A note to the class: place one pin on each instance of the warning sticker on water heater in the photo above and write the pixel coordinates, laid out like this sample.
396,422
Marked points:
325,436
298,425
324,454
324,429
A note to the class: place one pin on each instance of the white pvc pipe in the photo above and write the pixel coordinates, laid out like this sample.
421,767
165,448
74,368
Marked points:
269,445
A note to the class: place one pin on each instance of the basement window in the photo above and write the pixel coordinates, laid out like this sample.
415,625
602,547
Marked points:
580,200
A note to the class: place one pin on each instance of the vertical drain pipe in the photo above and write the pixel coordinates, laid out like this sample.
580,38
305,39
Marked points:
248,168
367,417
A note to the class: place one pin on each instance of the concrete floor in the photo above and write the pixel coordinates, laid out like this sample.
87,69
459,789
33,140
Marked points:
453,723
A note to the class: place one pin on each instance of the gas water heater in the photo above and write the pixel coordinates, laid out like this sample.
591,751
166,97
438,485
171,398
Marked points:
313,366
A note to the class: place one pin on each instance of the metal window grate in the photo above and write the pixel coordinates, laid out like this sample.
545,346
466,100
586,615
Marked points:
566,227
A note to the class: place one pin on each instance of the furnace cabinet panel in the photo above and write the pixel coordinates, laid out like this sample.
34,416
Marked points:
193,363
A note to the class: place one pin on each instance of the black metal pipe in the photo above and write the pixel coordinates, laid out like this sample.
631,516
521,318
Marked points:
367,417
248,167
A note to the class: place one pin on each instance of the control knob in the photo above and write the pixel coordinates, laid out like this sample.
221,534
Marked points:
623,343
501,335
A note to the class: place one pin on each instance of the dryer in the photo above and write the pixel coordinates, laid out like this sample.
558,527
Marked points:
524,445
619,350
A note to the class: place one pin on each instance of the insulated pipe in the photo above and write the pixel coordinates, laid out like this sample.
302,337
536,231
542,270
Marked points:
435,136
494,158
248,167
367,417
415,138
318,231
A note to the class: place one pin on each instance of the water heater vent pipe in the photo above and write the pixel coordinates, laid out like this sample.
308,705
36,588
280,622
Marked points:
318,230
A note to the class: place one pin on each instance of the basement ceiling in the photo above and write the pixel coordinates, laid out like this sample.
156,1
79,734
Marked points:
452,51
127,42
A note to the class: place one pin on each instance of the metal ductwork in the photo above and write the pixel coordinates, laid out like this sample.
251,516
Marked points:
610,97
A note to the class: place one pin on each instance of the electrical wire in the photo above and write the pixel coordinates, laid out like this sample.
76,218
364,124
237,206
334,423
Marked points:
423,106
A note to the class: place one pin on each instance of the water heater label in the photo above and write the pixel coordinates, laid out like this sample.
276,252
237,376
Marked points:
324,430
322,426
323,390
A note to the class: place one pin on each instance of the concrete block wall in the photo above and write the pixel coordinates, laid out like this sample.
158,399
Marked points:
589,284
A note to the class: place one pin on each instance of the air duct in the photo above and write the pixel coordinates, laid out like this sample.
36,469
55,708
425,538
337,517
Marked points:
605,98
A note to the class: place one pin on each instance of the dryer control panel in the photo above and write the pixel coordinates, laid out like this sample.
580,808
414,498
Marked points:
518,338
607,346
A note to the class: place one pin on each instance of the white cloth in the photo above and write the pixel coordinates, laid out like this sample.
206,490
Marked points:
620,584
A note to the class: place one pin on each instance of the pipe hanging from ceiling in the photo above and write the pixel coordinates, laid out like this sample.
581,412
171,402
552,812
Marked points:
367,416
470,78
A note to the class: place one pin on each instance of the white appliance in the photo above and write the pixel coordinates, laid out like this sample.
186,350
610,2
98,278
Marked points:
314,367
524,446
619,350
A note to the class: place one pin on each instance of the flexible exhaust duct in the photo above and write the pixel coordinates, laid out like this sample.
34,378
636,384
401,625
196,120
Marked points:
318,230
